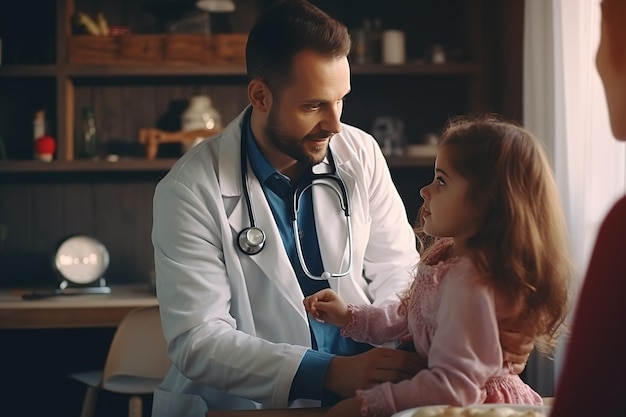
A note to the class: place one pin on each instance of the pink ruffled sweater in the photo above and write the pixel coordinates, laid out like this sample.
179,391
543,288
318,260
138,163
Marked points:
453,322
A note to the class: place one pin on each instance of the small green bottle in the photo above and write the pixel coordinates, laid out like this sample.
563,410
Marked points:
87,141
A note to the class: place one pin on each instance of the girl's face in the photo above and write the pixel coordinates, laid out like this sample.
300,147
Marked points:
447,212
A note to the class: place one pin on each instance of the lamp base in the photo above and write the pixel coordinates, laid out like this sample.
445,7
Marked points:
65,288
83,290
97,287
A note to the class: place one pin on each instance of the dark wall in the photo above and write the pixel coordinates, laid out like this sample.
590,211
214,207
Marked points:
38,211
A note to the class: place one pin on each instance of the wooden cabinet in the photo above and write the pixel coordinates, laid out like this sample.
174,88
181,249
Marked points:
41,202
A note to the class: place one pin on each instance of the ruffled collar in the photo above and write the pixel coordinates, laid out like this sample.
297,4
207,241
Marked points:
439,252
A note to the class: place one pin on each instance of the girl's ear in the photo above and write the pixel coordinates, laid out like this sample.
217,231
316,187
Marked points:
259,95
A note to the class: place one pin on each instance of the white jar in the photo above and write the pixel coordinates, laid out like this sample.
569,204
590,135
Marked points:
393,47
200,114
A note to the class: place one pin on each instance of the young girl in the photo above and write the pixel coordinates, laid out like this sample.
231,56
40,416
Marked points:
499,255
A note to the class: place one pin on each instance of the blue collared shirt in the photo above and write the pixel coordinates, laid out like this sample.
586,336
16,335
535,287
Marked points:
278,188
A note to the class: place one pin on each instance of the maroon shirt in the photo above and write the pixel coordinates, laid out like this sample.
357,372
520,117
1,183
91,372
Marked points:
593,379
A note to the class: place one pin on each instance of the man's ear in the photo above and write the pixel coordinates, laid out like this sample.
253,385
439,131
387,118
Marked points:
259,95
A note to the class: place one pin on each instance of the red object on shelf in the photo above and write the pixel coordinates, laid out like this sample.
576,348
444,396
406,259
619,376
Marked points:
119,31
45,147
45,144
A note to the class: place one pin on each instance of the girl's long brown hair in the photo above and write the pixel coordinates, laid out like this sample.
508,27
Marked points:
521,247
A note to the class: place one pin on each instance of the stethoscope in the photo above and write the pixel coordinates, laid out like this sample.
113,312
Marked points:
252,239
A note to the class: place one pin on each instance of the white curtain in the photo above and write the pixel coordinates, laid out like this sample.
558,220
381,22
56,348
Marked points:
564,105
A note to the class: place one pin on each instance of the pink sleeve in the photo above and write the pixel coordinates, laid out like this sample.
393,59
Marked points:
464,353
376,325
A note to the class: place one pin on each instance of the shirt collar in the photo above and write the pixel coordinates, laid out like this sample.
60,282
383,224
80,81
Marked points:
260,165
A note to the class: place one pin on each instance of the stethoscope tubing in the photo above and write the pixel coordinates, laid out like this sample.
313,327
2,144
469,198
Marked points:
250,240
296,230
256,244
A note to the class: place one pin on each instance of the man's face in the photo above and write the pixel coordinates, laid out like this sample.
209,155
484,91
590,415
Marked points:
306,113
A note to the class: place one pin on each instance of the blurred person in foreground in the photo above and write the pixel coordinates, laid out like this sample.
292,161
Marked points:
590,383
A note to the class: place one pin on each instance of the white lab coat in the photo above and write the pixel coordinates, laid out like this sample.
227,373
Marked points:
235,324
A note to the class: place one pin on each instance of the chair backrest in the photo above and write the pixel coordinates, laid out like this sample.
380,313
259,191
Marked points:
138,348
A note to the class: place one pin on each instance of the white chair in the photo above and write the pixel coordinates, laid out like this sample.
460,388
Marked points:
136,362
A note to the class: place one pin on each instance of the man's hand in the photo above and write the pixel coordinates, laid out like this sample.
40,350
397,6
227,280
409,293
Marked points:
516,348
350,407
346,374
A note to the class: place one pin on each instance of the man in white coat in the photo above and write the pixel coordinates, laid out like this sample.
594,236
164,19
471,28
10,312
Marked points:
236,328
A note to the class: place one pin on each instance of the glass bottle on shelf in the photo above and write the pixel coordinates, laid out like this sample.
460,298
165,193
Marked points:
199,115
375,42
39,126
86,144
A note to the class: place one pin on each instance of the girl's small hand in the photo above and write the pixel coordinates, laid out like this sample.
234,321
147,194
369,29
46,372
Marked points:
327,306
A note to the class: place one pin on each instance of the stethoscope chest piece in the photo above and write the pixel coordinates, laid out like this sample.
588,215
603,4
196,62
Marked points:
251,240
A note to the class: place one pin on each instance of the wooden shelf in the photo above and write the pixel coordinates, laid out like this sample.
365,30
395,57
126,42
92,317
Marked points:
87,71
144,165
453,68
29,71
418,68
123,165
154,71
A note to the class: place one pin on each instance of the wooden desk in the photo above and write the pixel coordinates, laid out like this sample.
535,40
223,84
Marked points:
72,311
287,412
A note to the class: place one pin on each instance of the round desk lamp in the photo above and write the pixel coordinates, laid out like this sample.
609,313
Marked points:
80,261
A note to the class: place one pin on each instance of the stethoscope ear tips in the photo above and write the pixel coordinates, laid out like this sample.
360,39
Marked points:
251,240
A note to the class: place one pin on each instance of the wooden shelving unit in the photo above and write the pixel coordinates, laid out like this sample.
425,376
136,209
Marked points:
113,199
67,76
106,87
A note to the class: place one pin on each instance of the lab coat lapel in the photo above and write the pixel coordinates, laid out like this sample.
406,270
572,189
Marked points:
273,259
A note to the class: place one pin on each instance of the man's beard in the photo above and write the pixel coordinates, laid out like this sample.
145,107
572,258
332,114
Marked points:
293,148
